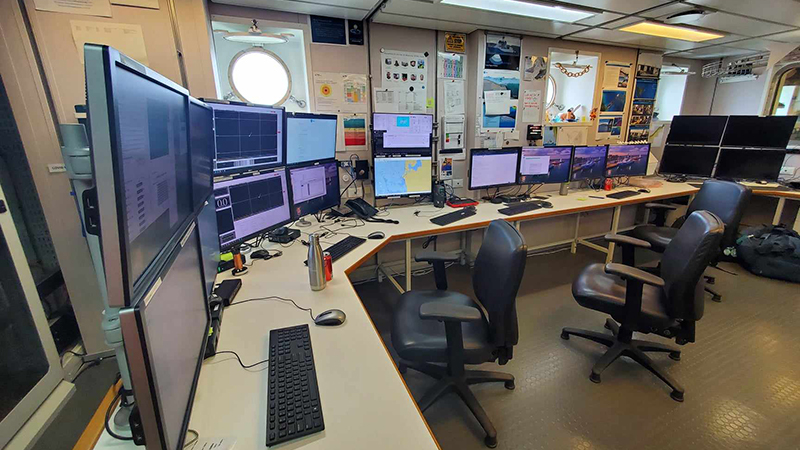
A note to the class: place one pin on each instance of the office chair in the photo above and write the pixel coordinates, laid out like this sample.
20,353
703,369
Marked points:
640,301
442,326
726,199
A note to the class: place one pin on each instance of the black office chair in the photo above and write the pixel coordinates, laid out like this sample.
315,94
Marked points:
641,301
448,327
726,199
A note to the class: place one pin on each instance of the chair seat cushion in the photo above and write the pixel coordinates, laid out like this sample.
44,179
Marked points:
658,237
415,339
597,290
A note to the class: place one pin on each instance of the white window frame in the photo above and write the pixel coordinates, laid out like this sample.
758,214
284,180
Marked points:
273,55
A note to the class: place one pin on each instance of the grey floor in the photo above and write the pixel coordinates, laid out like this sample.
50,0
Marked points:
742,376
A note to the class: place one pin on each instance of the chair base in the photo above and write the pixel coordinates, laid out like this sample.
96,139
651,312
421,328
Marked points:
460,385
621,344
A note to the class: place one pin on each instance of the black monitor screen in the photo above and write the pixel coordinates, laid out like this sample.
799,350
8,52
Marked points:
201,147
209,243
247,137
589,162
250,205
401,133
493,168
310,137
744,164
627,160
697,130
314,188
692,161
754,131
544,165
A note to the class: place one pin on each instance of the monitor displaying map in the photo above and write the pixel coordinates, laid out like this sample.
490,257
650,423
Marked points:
402,176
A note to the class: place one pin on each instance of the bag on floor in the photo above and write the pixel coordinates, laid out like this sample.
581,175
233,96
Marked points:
770,251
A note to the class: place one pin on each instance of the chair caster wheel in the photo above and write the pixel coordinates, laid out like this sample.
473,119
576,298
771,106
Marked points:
677,396
402,368
594,378
490,441
564,336
676,356
510,385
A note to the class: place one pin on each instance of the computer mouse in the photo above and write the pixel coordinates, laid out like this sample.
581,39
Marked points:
644,190
546,204
260,254
331,317
376,235
496,200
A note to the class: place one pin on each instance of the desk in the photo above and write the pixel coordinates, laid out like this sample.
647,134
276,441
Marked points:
365,401
782,196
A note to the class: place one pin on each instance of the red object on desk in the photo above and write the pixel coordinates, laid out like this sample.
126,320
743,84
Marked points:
608,185
462,203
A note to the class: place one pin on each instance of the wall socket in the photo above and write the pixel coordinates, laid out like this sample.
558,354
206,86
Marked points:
788,170
458,183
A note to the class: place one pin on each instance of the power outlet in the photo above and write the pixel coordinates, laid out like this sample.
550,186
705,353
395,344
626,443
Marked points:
788,170
458,183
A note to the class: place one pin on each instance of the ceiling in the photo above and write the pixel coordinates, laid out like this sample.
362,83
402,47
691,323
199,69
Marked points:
750,26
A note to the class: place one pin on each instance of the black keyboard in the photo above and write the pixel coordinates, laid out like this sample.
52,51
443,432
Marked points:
622,194
342,247
446,219
294,407
519,208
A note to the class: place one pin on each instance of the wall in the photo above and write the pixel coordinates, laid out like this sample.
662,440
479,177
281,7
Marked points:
699,91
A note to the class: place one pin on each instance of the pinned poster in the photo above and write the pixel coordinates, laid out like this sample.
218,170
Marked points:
451,65
125,37
497,102
501,98
328,91
608,127
355,92
453,97
399,101
616,75
354,130
532,106
406,71
446,169
85,7
385,100
454,132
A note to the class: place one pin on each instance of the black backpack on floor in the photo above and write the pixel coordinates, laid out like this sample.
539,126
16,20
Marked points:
770,251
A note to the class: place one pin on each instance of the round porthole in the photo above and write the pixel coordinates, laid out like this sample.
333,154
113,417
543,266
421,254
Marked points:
260,76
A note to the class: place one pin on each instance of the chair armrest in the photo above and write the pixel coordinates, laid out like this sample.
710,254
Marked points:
432,256
448,312
627,272
660,206
626,240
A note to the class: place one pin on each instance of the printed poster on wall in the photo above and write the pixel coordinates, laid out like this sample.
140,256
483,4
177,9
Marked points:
328,30
328,91
354,130
406,71
612,102
608,127
125,37
453,97
355,92
616,75
502,52
399,101
451,65
532,106
500,99
535,68
100,8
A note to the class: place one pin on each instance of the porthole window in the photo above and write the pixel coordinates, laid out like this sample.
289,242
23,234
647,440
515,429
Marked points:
260,76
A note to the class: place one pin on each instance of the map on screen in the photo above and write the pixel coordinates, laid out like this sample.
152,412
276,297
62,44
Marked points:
402,176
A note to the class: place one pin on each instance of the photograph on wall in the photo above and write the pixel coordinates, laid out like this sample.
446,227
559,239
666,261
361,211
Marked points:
500,98
645,89
355,32
612,102
446,169
535,68
643,70
608,126
355,132
638,133
642,108
407,71
640,120
502,52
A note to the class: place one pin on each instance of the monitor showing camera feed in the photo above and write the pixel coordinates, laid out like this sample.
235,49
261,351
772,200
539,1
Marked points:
247,137
627,160
250,205
697,130
402,176
493,168
690,161
756,165
589,162
314,188
544,165
310,137
755,131
402,133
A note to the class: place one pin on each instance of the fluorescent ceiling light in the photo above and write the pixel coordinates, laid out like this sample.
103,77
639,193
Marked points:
671,31
524,8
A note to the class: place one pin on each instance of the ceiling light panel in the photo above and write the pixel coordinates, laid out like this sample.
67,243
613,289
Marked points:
524,8
671,31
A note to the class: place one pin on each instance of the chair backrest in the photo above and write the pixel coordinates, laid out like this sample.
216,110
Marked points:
684,261
499,267
726,200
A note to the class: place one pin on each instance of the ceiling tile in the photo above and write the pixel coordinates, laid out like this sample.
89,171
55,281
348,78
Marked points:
729,23
599,18
633,39
717,51
434,24
622,22
345,9
791,37
617,44
759,45
781,11
619,6
666,10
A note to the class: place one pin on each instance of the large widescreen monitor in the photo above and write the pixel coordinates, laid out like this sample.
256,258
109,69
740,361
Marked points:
251,204
314,188
248,137
310,137
696,130
627,160
688,161
589,162
493,168
544,165
755,131
401,133
749,164
165,336
402,176
201,148
141,166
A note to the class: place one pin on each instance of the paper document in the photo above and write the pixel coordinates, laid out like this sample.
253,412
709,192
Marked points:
125,37
497,102
453,97
85,7
532,106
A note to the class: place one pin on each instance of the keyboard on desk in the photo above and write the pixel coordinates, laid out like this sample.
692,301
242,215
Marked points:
447,219
294,405
622,194
519,208
342,247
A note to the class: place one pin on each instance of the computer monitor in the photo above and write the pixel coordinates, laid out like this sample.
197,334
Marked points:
141,166
754,131
401,133
310,137
689,161
402,176
165,336
627,160
696,130
748,164
589,162
313,188
248,137
201,149
544,165
209,243
493,168
251,204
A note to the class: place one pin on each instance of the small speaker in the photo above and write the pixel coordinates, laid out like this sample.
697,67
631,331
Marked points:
439,195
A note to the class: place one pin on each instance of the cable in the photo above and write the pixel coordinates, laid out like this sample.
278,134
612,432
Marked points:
108,417
193,440
240,359
275,297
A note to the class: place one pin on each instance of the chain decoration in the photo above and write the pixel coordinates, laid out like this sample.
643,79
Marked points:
574,74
